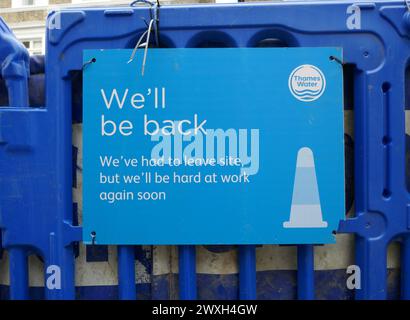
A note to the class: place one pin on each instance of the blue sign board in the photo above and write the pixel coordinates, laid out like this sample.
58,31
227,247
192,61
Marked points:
213,146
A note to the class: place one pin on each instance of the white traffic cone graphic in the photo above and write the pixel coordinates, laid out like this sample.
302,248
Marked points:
305,211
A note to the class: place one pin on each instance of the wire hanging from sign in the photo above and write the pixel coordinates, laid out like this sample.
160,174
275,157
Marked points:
152,25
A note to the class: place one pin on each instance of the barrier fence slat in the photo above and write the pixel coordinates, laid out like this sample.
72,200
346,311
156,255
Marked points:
247,272
126,273
405,269
18,274
306,272
187,273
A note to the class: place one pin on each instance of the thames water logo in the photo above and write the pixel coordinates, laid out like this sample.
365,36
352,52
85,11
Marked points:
307,83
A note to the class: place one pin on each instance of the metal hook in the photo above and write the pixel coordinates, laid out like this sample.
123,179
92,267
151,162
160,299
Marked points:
156,18
137,46
146,48
147,35
154,14
140,1
153,24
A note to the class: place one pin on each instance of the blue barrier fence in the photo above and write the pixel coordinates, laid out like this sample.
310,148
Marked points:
36,156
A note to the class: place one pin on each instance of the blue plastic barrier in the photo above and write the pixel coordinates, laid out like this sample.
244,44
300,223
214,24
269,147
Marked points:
14,67
36,212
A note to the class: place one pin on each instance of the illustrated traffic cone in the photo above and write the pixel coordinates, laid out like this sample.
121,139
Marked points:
305,210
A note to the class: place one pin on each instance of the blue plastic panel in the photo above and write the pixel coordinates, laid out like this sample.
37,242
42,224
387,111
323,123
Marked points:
36,153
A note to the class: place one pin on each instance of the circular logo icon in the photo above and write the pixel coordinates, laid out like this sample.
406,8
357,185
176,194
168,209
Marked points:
307,83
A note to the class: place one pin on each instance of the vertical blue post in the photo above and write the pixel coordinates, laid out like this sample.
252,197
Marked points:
18,274
59,257
370,255
306,272
405,269
187,272
126,273
247,272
